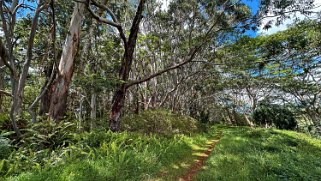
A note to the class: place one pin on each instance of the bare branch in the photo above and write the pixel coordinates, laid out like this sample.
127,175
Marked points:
102,20
26,65
110,12
190,58
113,23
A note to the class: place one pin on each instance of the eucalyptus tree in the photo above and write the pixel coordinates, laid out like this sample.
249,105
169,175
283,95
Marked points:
58,102
203,22
8,13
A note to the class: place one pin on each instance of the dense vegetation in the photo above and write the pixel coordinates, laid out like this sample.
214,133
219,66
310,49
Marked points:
134,90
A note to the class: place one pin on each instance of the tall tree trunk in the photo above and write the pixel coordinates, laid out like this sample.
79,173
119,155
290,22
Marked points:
93,110
130,44
50,71
118,103
45,98
1,84
8,59
58,101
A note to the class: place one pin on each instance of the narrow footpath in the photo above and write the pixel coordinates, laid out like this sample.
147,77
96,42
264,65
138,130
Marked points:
200,161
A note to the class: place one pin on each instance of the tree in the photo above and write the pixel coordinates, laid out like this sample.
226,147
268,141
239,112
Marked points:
268,115
61,85
18,82
283,9
197,44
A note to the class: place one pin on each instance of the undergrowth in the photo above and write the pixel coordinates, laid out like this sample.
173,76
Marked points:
101,156
161,122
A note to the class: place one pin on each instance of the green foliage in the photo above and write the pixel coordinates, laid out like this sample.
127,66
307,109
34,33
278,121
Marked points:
263,154
281,117
161,122
109,156
4,120
5,145
43,145
48,135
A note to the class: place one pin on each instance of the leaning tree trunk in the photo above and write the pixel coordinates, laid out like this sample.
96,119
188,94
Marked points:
60,87
130,44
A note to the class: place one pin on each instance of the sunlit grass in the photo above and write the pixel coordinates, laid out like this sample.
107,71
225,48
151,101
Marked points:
263,154
240,153
121,156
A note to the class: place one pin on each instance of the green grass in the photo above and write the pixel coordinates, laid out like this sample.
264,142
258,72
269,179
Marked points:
263,154
113,156
241,154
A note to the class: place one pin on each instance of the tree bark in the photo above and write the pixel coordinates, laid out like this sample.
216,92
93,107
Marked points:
8,59
46,91
58,101
118,103
50,71
93,110
1,84
130,44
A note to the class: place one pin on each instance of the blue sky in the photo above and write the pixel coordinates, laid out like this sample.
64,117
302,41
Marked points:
254,5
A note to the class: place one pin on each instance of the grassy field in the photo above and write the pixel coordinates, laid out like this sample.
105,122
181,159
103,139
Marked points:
241,154
263,154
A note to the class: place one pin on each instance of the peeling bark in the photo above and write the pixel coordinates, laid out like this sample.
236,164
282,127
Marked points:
60,87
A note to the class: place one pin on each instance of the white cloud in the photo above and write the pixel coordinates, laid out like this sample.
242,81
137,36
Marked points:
289,21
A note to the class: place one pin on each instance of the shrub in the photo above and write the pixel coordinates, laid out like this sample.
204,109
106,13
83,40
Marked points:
48,134
5,147
269,114
159,121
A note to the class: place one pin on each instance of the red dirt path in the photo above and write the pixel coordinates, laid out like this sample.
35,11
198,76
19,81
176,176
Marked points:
199,163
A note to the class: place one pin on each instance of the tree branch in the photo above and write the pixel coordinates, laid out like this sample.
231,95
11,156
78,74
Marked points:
100,19
26,65
6,93
110,12
191,57
113,23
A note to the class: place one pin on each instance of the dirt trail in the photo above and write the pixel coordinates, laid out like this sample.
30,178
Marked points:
199,162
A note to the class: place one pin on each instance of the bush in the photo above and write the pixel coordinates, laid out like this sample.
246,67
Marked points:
281,117
48,134
5,148
161,122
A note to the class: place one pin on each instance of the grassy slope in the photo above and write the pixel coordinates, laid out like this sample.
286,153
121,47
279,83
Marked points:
263,154
241,154
120,156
